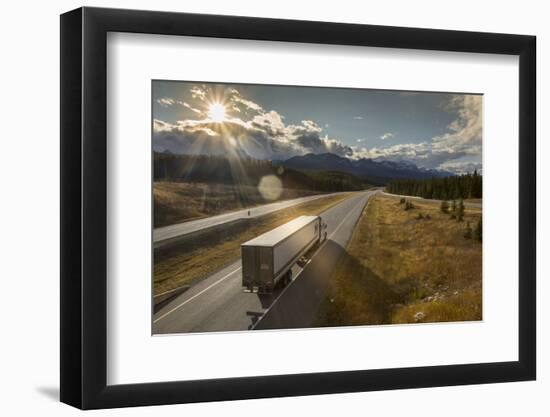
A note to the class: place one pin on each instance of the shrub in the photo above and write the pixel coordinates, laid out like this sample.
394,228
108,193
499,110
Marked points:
460,211
444,206
468,231
419,216
402,201
479,231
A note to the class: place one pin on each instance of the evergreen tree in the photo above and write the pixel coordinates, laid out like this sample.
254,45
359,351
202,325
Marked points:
468,231
479,231
460,211
447,188
453,209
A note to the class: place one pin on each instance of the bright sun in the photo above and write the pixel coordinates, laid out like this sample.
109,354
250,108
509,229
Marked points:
216,112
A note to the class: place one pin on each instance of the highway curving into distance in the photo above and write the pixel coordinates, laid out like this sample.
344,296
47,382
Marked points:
218,303
467,204
164,234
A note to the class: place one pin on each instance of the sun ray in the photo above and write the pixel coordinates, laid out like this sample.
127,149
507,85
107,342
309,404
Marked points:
216,112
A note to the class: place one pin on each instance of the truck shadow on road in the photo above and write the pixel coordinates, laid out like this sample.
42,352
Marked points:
297,307
266,300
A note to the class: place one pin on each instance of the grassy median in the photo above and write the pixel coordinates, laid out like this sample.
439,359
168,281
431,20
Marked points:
407,266
176,202
195,258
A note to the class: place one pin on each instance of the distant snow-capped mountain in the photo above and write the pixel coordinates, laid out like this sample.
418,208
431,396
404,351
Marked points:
363,168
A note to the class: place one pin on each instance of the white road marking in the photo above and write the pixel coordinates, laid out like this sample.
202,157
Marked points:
341,223
165,233
196,295
228,275
253,327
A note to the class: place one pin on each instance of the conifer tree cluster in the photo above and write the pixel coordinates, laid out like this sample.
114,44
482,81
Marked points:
448,188
246,171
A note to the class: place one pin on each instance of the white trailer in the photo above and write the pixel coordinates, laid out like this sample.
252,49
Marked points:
269,258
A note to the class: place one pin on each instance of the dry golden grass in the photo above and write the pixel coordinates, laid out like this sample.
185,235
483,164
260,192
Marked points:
402,269
193,259
175,202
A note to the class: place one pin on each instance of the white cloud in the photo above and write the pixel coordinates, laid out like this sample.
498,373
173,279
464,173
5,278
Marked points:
166,101
248,104
193,109
447,151
465,132
236,98
198,93
264,134
462,167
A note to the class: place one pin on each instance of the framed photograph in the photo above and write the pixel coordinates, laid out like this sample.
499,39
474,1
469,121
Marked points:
257,208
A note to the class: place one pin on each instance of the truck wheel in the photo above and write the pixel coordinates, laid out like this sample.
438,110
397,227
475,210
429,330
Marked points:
288,277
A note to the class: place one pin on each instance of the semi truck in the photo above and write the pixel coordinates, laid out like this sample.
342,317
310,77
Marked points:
267,260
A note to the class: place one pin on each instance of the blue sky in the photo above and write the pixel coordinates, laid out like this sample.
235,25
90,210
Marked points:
433,130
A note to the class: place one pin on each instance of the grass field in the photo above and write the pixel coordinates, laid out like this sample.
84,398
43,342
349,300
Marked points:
400,268
175,202
195,258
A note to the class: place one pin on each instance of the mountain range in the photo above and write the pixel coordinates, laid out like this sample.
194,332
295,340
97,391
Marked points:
376,171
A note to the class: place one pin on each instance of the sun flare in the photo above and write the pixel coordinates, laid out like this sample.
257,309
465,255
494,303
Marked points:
216,112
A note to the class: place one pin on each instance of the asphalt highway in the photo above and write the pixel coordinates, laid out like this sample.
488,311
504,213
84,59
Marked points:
166,233
218,303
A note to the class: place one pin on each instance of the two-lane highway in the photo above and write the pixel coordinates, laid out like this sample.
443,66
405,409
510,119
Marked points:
218,302
165,234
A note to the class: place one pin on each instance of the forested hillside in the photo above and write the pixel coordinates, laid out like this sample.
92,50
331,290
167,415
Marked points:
448,188
245,171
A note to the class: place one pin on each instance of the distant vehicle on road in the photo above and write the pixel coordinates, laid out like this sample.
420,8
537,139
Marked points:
268,259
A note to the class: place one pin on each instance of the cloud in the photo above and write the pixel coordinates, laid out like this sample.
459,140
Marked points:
166,101
463,139
265,136
462,167
193,109
260,134
248,103
198,93
465,132
251,130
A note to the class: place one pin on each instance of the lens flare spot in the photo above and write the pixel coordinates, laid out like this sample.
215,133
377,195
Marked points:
270,187
231,140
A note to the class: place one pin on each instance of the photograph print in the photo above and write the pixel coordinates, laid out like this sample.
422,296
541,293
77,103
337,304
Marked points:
287,207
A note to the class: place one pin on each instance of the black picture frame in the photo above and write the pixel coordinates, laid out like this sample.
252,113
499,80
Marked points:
84,207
